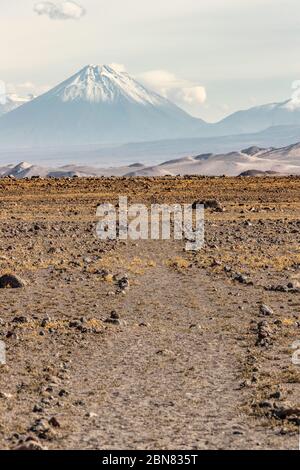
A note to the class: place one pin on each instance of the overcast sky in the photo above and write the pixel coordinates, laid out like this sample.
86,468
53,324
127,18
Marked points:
211,56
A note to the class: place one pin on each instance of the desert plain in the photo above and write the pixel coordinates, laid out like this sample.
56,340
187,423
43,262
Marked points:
141,344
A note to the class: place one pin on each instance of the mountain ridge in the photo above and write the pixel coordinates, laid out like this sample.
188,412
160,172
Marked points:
95,105
99,105
260,118
247,162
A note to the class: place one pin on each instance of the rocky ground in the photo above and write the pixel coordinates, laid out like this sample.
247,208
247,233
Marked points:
141,344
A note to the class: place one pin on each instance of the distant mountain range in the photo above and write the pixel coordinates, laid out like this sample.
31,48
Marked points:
102,106
247,162
13,101
96,105
151,152
260,118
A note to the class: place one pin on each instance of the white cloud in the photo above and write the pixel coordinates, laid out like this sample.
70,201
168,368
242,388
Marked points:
2,92
118,67
26,89
294,102
64,10
193,94
175,89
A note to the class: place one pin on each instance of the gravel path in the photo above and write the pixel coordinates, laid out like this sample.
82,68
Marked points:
170,378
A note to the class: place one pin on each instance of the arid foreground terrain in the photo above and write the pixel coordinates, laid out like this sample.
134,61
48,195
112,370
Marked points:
193,351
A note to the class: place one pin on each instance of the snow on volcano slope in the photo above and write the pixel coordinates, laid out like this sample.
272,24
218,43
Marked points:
96,84
96,105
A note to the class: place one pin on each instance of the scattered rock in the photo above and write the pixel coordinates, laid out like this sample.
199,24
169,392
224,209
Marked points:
45,321
165,352
20,319
75,324
195,326
265,404
264,334
37,409
276,395
246,384
216,263
287,411
241,279
11,281
11,334
212,204
294,284
114,319
40,426
114,315
281,288
90,414
5,396
54,422
265,310
145,324
123,283
30,444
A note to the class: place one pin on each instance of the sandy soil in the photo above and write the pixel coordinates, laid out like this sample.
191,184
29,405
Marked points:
189,359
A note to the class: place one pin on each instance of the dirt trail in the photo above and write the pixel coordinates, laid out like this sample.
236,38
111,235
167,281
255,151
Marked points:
170,377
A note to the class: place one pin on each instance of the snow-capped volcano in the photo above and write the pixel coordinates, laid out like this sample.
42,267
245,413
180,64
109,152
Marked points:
96,105
96,84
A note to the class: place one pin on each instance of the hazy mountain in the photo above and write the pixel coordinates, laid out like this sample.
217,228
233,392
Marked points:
252,161
96,105
104,107
260,118
269,161
27,170
157,151
12,102
151,152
